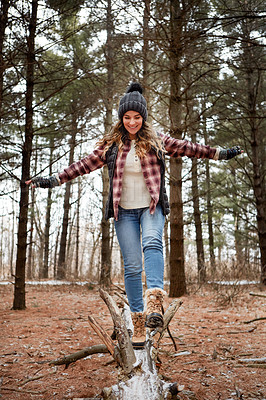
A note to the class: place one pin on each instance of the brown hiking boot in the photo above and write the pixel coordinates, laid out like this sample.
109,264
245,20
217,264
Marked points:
139,336
154,301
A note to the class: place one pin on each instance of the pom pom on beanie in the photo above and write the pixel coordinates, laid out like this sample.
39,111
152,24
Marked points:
133,100
134,87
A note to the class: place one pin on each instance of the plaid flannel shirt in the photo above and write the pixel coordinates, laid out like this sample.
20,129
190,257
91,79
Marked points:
149,164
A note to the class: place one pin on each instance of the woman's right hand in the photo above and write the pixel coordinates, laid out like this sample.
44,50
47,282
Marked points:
46,183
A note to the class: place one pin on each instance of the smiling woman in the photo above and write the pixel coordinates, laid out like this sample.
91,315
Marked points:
135,156
132,121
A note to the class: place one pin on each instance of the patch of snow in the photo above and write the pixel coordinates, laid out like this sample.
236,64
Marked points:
52,282
242,282
182,353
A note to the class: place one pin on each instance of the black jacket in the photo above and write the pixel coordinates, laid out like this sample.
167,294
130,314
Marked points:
111,156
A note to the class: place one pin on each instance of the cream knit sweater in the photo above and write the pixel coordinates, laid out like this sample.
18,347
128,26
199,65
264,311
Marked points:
134,190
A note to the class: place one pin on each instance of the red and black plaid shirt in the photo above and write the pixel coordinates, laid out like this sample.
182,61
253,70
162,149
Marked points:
150,166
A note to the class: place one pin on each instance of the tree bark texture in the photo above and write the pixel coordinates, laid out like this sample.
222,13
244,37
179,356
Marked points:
125,346
197,213
3,24
209,201
61,267
30,263
145,52
197,221
19,302
106,256
254,81
44,273
210,218
77,247
177,268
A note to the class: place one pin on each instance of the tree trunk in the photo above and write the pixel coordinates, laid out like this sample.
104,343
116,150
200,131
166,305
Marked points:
106,254
260,201
2,272
3,24
93,251
253,79
44,272
167,250
55,254
197,220
177,267
30,261
210,219
30,251
209,204
105,274
19,302
145,52
76,273
12,240
237,234
61,267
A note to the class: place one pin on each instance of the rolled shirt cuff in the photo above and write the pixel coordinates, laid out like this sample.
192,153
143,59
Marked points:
216,155
58,179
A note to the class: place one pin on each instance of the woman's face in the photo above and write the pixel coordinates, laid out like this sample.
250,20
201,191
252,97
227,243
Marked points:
132,121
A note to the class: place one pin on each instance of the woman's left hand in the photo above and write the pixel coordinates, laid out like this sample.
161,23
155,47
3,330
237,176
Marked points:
230,153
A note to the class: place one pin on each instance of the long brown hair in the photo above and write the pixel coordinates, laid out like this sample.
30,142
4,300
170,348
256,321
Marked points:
146,139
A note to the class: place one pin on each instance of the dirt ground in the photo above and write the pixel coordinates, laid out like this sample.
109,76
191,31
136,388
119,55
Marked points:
211,342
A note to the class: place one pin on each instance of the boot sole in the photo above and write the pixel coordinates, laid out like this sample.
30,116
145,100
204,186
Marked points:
138,346
154,320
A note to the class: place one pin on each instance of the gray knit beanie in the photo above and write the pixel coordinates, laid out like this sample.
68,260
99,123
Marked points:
133,101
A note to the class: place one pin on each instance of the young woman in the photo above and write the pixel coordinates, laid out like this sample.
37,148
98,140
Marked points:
135,156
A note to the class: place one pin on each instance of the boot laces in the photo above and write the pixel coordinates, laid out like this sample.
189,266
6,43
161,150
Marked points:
155,302
139,325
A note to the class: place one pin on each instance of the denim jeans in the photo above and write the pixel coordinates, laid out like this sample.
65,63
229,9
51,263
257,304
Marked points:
137,229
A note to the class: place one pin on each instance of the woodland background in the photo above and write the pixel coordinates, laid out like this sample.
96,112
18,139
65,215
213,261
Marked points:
64,66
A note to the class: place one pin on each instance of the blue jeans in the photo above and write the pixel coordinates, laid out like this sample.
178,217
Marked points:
130,226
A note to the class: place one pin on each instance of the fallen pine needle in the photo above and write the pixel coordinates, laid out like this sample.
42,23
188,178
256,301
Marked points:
35,378
22,390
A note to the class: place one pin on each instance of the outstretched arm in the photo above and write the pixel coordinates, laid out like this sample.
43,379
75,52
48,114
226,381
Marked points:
179,148
88,164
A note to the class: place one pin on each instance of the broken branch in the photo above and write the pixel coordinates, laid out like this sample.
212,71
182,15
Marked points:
125,346
257,294
103,335
254,320
87,351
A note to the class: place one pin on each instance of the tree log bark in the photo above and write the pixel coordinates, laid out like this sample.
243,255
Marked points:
103,335
125,346
138,375
87,351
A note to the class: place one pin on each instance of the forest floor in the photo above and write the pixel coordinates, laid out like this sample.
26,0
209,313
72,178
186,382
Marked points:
211,342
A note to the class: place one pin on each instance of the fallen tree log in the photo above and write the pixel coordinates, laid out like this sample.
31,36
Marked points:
138,377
